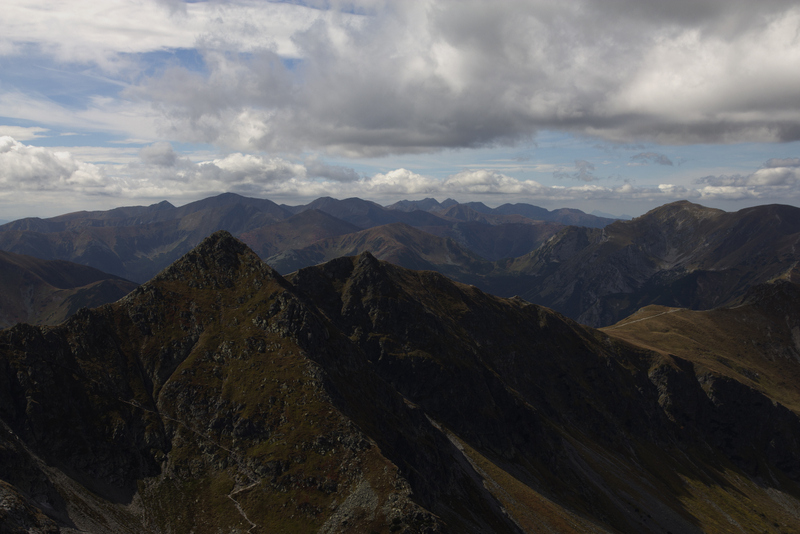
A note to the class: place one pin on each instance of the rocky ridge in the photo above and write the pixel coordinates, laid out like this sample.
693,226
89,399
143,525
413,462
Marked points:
357,396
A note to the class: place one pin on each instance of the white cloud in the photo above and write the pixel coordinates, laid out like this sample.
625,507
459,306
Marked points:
22,133
777,178
109,115
99,32
413,77
400,181
26,168
157,172
242,168
421,76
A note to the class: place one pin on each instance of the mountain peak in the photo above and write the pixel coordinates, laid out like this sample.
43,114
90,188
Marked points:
683,209
218,261
163,205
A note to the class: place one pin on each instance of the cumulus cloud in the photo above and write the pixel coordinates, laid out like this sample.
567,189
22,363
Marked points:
159,154
159,172
241,169
423,76
26,168
778,179
644,158
370,77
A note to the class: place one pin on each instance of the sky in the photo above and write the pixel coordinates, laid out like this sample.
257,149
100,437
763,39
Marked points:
612,106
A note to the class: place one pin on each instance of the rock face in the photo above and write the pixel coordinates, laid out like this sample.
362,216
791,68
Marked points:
357,396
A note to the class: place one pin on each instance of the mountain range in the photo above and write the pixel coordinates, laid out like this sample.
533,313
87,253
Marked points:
360,396
137,242
680,254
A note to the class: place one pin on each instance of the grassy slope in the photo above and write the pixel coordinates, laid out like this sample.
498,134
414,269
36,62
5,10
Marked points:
756,343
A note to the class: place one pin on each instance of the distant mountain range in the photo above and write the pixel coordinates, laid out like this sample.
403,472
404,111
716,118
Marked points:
359,396
592,269
680,254
48,291
137,242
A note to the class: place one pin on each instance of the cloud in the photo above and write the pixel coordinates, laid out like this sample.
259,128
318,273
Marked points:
159,154
371,78
26,168
651,157
316,168
28,172
241,169
22,133
130,118
82,31
583,172
785,162
774,178
424,76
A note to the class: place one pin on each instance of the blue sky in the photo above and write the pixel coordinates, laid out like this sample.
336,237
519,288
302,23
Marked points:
617,106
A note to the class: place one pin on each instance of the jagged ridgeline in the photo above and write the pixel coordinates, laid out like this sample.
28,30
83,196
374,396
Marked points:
358,396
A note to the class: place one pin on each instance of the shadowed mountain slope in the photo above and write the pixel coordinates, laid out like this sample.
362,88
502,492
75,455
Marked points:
47,292
296,232
397,243
498,241
136,242
566,216
362,213
680,254
358,396
470,211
